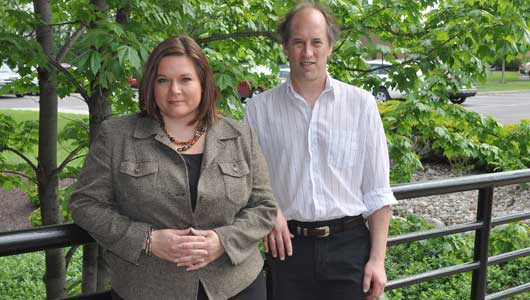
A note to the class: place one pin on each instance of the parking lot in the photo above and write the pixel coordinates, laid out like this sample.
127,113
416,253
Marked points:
506,107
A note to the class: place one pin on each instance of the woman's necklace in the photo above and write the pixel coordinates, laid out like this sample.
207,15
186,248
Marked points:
183,146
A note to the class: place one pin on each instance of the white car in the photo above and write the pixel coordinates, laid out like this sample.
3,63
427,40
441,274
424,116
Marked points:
7,76
385,93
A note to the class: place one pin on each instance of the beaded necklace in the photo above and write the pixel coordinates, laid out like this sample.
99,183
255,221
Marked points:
183,146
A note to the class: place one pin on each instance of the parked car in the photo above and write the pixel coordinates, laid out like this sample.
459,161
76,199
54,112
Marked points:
385,93
7,76
133,82
285,71
525,69
248,89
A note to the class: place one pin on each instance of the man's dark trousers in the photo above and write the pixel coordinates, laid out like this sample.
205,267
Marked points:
328,268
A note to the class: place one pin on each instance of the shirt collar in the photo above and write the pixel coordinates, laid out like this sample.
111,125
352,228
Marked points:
328,87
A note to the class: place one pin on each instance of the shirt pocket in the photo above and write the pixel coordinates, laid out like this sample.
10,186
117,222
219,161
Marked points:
138,180
343,151
138,169
236,179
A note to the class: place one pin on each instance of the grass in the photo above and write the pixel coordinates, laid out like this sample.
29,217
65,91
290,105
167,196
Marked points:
62,149
512,81
21,276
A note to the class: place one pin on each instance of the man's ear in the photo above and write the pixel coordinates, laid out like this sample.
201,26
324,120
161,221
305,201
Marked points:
284,48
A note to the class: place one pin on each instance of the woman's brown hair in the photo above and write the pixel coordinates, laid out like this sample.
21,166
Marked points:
180,46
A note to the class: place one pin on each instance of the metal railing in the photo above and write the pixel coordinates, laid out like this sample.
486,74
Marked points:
50,237
482,227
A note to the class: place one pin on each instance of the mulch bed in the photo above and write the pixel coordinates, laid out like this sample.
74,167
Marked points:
15,209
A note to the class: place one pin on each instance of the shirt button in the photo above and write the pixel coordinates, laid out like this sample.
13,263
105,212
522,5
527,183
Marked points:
235,168
137,170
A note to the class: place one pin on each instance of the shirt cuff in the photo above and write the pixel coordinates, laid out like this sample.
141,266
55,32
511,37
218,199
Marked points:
377,199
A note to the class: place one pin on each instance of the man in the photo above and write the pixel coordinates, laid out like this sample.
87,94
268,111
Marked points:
328,160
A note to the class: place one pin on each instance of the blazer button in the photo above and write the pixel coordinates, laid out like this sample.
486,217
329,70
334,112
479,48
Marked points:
137,170
235,168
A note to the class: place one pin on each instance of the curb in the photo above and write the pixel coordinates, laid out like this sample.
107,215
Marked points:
489,93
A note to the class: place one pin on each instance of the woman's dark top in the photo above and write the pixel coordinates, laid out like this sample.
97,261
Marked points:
193,164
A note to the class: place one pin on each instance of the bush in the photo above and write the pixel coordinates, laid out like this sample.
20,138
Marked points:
21,276
418,130
427,255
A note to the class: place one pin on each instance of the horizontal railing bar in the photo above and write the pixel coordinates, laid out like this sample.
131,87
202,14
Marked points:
42,238
509,292
427,276
497,259
426,234
509,219
465,183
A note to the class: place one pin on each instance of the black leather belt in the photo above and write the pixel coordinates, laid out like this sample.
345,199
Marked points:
321,229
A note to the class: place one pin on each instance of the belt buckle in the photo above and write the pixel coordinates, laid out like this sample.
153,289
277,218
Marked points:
326,231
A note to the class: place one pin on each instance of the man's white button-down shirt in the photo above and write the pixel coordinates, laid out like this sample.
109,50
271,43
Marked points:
327,162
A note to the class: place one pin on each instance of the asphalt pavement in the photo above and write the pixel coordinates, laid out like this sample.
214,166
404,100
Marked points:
71,104
506,107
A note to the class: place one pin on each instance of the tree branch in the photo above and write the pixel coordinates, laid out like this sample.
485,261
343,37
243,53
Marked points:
19,174
70,157
71,78
69,255
21,155
237,35
363,19
65,23
70,42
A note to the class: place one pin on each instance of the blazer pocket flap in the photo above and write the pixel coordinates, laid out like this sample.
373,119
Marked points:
138,169
234,168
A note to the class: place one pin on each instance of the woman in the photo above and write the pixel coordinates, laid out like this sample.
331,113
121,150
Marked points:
177,195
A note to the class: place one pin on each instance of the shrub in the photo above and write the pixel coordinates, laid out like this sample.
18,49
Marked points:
431,130
427,255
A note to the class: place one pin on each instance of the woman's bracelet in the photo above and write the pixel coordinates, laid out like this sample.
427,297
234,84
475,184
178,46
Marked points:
148,243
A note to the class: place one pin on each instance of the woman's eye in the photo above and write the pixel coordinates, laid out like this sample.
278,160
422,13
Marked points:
186,79
161,80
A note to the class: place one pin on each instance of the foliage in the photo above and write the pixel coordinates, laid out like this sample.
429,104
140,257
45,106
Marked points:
456,36
21,276
18,142
427,255
419,130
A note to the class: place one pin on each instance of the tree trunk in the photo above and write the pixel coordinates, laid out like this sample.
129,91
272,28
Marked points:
47,162
95,273
503,67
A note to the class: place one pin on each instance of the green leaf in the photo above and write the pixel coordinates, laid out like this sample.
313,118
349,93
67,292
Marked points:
134,58
95,62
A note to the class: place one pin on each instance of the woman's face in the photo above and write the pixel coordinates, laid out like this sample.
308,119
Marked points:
177,88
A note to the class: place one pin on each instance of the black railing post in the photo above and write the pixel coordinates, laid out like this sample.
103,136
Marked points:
482,238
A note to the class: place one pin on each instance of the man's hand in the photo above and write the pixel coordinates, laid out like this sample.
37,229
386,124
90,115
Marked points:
212,248
278,241
172,245
374,280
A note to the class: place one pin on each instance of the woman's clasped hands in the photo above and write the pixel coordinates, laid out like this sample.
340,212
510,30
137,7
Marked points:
190,248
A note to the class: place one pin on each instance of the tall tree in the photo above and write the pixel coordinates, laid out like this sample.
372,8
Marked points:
47,176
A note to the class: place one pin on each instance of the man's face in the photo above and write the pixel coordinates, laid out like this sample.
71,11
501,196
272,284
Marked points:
308,47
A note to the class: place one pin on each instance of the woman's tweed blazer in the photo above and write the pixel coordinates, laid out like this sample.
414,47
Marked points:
133,180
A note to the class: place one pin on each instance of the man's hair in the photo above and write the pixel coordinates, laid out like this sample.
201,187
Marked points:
284,29
180,46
